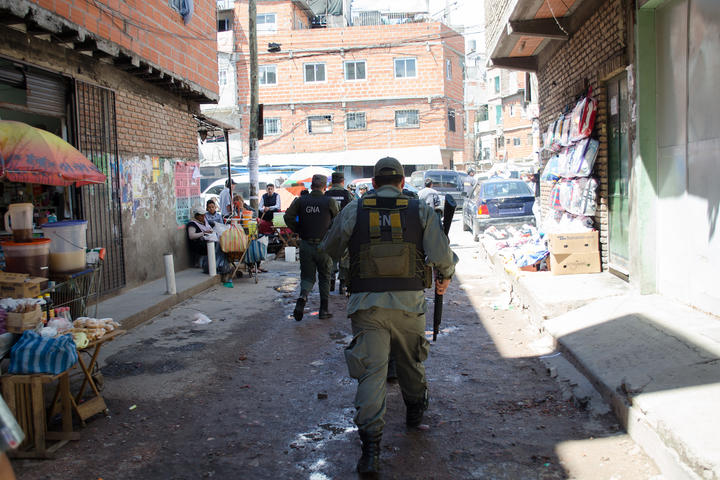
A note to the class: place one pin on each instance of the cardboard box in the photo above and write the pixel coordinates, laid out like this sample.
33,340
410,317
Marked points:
586,242
20,285
19,322
574,263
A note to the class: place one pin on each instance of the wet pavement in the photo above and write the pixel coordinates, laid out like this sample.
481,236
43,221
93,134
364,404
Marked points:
257,395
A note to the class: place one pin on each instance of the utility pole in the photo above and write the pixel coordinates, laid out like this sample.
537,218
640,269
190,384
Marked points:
254,113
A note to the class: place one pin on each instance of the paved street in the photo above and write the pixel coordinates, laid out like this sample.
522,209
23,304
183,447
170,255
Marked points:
256,395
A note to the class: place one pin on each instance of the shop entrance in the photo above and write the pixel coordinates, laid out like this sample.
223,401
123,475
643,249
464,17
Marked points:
100,204
618,174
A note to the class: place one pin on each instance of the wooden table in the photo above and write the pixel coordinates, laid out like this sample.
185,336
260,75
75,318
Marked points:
24,396
96,403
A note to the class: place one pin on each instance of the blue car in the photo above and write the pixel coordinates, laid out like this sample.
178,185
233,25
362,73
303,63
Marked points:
498,201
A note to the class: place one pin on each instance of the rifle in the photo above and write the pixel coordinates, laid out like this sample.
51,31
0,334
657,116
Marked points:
448,212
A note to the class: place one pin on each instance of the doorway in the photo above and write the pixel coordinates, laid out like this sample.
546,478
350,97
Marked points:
618,174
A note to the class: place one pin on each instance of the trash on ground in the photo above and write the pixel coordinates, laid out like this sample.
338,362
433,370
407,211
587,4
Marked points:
201,319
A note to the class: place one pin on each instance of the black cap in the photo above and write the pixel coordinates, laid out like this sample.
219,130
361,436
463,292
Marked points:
388,167
338,177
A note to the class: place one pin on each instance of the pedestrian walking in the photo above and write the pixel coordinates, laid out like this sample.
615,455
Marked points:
338,193
431,196
393,241
310,216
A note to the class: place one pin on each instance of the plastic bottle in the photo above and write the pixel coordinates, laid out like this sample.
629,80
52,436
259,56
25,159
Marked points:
49,307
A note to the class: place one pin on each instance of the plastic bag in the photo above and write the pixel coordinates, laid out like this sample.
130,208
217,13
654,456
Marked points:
233,239
36,354
582,198
256,251
583,118
550,172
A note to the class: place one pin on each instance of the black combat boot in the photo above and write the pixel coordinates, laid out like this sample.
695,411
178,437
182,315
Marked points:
299,308
324,311
415,411
341,288
332,282
369,464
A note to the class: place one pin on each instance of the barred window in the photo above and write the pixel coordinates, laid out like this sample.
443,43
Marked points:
355,121
451,119
407,118
272,126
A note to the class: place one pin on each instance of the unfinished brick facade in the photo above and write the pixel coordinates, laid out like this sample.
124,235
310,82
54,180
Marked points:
590,57
153,30
434,92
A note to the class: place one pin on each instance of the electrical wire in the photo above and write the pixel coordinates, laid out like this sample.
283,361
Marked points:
555,18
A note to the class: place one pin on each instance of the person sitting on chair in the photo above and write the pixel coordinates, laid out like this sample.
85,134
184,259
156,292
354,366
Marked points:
212,213
199,229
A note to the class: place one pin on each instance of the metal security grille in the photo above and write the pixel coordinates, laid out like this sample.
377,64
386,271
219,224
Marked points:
96,137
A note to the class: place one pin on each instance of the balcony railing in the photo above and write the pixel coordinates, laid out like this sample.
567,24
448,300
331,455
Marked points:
378,18
225,4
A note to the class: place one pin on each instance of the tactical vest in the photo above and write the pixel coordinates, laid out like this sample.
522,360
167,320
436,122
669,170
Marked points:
315,217
269,201
340,195
386,246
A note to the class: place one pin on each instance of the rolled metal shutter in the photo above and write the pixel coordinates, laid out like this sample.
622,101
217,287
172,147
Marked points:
46,94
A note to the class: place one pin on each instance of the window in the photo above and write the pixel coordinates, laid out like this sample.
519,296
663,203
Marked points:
314,72
319,124
405,68
507,141
451,119
482,114
498,113
266,23
222,77
355,70
512,110
267,74
299,25
407,119
530,139
497,84
448,68
516,142
272,126
355,121
224,25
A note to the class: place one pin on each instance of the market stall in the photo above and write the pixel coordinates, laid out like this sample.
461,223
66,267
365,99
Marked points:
48,281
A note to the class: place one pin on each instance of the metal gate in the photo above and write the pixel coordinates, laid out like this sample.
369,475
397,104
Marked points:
96,137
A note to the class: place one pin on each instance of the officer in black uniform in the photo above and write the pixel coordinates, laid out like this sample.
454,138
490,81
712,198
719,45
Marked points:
310,216
338,192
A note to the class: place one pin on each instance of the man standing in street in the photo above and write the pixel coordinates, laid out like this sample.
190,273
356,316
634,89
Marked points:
269,203
338,193
393,241
430,196
310,216
225,200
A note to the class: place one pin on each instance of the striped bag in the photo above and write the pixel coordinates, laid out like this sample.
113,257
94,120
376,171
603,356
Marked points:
233,240
257,250
34,353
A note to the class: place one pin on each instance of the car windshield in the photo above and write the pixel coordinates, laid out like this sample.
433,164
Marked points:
443,180
506,189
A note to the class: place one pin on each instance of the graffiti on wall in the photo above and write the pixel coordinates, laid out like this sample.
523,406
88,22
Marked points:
187,190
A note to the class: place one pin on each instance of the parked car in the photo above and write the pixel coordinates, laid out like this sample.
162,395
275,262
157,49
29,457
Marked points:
498,201
446,182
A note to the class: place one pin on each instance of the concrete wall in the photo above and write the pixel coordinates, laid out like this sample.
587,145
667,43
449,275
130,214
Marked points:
154,31
592,55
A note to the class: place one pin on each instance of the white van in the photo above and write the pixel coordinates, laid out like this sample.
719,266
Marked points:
242,187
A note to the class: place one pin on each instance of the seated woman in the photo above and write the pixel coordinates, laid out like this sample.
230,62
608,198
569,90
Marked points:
200,231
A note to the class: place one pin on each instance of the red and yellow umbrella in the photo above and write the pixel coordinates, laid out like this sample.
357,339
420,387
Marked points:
32,155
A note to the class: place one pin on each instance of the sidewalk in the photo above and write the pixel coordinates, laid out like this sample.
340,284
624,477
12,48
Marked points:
137,305
657,362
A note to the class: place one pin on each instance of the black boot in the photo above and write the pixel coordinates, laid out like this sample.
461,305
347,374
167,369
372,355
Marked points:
324,311
369,464
415,411
341,288
332,282
299,307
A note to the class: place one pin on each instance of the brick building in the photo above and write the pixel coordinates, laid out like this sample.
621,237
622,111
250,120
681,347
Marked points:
122,83
343,96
